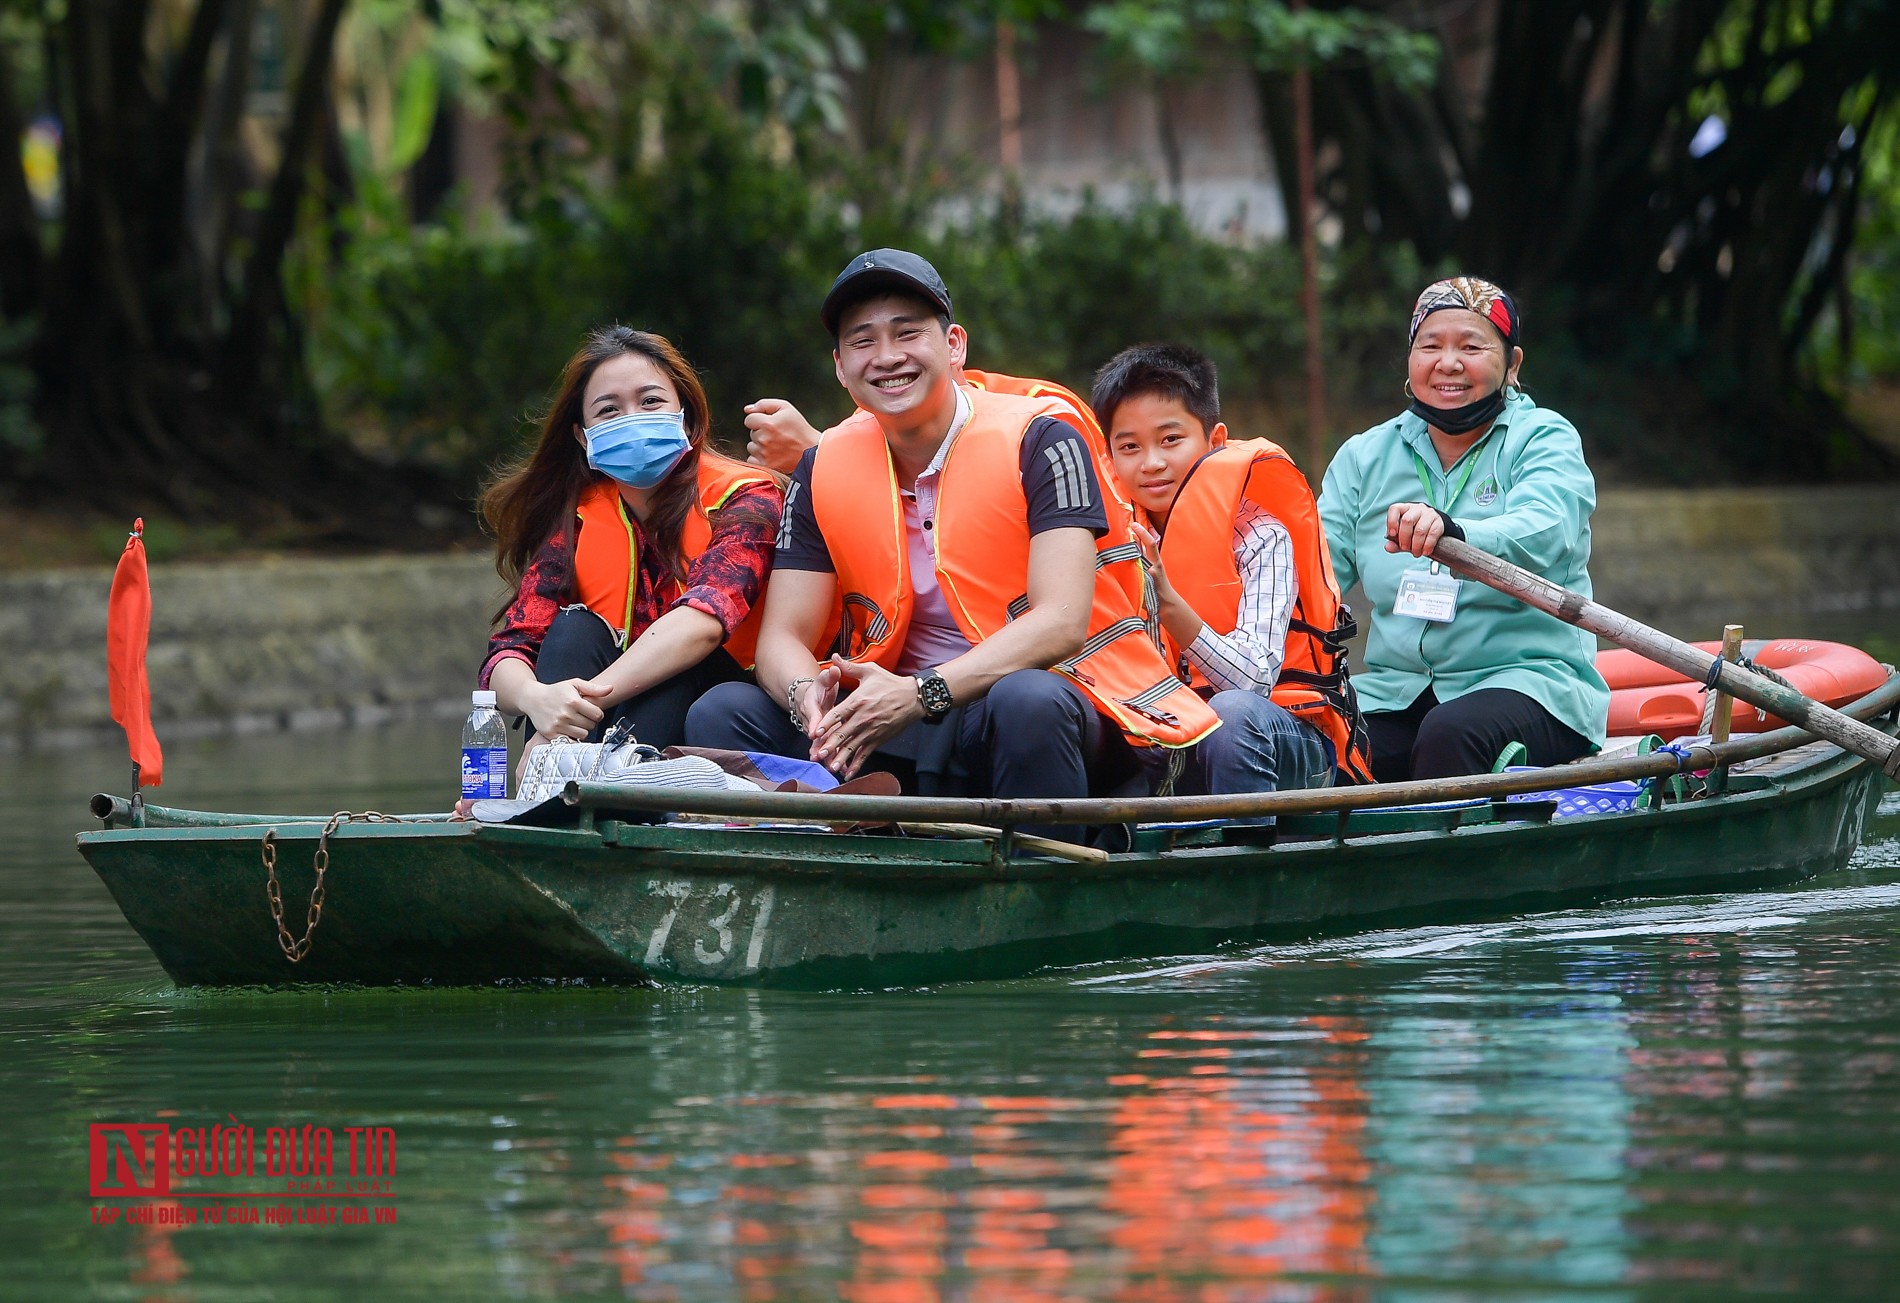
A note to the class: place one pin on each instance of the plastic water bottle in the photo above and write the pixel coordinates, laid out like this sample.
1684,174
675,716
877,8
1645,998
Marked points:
484,751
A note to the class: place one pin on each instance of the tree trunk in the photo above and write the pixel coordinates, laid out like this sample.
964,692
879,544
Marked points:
169,387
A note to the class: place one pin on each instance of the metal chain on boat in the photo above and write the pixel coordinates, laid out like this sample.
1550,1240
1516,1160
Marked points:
295,948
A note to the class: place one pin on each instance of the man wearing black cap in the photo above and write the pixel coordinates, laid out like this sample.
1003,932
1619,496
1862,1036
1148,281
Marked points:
966,533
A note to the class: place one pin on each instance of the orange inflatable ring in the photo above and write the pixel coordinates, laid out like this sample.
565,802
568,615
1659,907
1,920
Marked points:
1649,698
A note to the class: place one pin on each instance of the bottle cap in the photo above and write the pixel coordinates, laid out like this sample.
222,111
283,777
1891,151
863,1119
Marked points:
483,699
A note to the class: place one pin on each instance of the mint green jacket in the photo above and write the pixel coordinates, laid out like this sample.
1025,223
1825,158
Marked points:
1527,499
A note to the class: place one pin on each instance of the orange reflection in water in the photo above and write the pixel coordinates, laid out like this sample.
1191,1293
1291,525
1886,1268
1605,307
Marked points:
1225,1170
1209,1184
915,1228
156,1263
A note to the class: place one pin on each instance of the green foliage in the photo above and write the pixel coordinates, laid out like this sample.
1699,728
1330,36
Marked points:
1058,297
1165,37
20,433
443,344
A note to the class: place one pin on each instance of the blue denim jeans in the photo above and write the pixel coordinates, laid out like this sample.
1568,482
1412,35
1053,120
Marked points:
1259,747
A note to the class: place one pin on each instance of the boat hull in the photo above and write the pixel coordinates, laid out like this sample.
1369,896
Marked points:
449,903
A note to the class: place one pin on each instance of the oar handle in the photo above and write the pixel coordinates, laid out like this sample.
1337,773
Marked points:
1574,608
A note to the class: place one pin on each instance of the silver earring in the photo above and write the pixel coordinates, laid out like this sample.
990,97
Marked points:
1406,388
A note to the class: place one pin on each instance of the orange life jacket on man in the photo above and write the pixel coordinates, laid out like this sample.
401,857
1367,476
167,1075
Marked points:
606,567
1134,579
1197,549
981,539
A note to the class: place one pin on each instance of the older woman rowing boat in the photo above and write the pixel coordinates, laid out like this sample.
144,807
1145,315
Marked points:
1455,671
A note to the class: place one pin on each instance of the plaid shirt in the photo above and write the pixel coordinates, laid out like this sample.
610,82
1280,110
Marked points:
724,581
1249,658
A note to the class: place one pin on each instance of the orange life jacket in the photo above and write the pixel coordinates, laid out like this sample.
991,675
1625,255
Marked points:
1121,511
606,568
1198,551
981,539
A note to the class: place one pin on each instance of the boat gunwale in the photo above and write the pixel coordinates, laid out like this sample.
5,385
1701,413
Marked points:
1004,814
182,824
790,853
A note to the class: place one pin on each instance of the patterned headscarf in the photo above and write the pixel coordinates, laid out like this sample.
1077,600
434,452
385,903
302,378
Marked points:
1481,297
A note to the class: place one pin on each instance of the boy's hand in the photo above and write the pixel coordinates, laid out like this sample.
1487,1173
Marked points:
777,434
1150,544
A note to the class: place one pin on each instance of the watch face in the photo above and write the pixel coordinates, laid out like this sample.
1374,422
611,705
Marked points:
934,693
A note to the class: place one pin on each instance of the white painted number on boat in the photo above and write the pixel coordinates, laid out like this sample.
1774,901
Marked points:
759,920
721,926
677,892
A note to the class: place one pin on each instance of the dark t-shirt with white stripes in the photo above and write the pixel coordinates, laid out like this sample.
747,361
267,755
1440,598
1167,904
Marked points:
1059,484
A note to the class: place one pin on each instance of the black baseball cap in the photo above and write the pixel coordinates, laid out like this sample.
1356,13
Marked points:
882,271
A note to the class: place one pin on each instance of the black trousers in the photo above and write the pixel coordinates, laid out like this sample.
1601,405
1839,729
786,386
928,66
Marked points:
1465,736
1032,735
579,645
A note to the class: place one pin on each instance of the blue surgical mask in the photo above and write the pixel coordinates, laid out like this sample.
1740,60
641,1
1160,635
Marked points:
639,449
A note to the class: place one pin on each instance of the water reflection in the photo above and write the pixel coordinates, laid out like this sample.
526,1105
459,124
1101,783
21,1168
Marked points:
1229,1151
1499,1125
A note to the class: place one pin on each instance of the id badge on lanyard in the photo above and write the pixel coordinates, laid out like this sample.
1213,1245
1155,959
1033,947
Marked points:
1427,595
1431,594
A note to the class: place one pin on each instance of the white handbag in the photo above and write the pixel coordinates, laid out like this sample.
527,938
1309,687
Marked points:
617,758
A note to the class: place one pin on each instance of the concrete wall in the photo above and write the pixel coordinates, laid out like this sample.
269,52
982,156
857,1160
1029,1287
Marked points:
1783,561
291,643
278,643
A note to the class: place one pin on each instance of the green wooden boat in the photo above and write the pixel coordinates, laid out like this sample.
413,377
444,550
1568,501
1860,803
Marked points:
630,890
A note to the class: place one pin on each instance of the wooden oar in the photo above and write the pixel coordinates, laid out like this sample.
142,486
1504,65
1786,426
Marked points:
1574,608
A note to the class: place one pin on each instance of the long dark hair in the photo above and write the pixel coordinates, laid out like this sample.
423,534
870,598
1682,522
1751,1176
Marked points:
533,498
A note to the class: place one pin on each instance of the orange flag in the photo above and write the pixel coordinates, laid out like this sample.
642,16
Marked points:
128,629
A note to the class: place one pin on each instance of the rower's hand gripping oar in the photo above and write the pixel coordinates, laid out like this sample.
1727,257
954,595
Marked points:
1573,608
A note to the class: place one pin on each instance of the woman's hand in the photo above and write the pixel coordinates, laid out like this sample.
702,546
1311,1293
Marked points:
881,706
777,434
1413,527
570,708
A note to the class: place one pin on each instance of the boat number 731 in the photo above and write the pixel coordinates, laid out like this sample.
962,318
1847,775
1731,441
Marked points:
723,908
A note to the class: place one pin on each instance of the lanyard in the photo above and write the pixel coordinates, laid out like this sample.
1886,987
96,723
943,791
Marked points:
633,571
1425,476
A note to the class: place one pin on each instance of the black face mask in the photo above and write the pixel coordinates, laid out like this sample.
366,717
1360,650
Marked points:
1461,420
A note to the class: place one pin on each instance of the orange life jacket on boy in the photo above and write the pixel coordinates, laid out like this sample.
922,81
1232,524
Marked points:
981,539
606,568
1197,549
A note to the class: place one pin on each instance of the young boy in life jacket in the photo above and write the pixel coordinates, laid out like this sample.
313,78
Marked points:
1248,606
988,627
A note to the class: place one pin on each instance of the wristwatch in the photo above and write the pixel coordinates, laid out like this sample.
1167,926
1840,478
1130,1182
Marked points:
933,694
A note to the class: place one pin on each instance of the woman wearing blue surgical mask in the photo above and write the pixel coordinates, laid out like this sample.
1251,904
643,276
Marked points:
637,552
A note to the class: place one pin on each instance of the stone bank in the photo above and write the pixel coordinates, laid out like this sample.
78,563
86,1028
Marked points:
305,642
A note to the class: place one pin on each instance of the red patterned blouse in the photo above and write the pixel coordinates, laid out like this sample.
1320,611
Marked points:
724,581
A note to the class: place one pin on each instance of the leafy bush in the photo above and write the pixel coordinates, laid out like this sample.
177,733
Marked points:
442,343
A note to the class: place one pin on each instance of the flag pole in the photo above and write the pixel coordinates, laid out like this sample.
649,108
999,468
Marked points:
128,630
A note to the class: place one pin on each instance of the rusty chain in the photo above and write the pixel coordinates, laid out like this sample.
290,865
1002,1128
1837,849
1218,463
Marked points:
295,948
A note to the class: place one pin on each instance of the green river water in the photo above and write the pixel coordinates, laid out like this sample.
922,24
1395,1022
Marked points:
1662,1099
